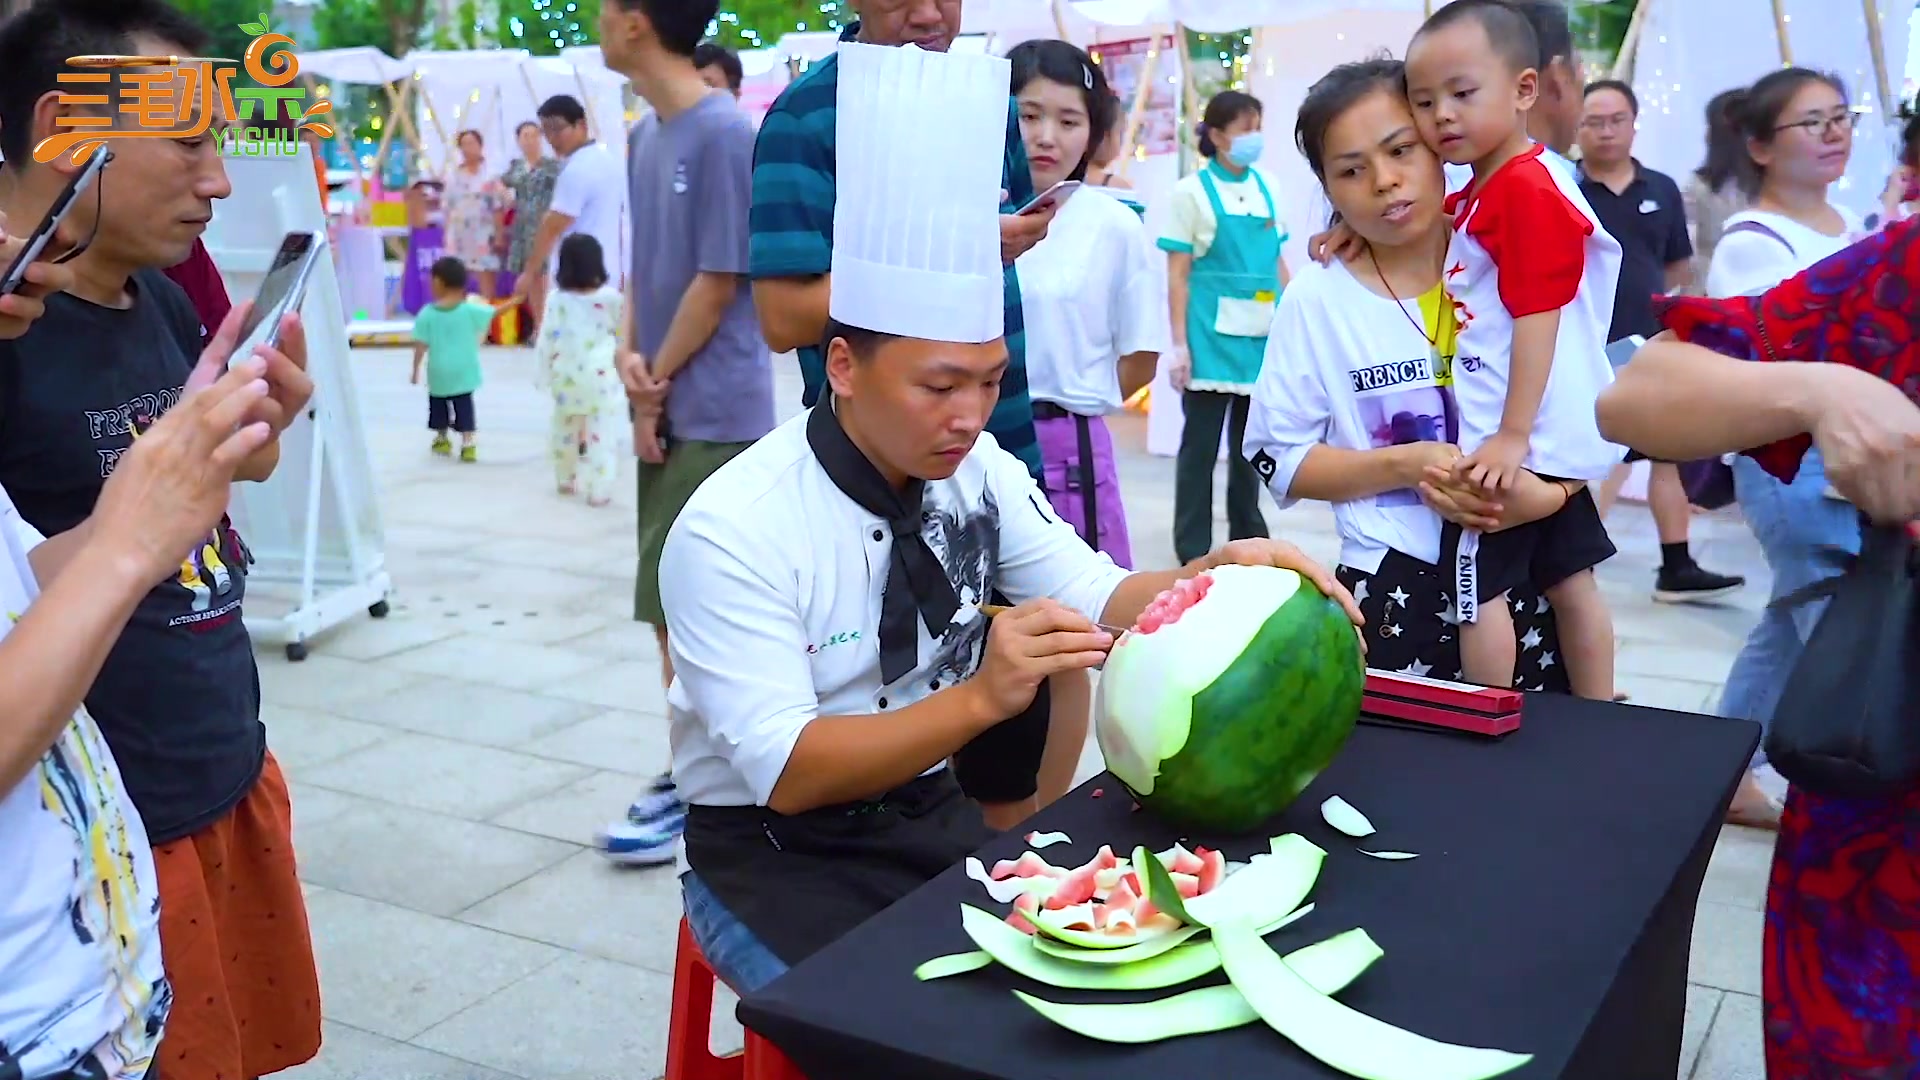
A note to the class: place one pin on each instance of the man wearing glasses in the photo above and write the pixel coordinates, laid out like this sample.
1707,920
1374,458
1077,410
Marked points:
1643,209
588,197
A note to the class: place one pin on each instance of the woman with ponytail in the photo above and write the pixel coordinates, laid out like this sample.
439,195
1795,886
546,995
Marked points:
1798,133
1224,276
1095,330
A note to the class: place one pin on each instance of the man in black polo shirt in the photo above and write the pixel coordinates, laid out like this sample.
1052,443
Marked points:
1643,210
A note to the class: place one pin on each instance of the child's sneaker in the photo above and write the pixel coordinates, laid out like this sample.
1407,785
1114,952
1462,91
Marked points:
443,446
469,453
650,832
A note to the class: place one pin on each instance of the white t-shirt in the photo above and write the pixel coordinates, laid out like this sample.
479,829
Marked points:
1091,296
1360,374
80,972
1748,261
592,190
1529,242
772,578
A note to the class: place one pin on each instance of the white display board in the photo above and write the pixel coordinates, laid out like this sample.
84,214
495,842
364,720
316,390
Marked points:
314,527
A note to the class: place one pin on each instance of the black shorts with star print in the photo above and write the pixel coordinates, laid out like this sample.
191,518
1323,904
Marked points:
1408,608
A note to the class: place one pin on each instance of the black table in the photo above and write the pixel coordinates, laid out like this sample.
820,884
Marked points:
1550,912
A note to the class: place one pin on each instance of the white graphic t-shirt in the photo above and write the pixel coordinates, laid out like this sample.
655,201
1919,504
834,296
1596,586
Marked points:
81,988
1351,369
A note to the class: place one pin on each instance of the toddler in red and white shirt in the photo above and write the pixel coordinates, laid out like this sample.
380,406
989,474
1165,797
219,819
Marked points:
1532,276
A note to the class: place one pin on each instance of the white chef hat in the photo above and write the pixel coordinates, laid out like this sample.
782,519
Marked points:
920,140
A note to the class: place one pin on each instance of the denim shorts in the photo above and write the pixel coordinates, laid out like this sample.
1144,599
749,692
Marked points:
734,952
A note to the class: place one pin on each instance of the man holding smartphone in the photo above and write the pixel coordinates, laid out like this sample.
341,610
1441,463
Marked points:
177,699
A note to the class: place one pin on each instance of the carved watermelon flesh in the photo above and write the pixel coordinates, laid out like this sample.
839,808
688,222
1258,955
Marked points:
1100,903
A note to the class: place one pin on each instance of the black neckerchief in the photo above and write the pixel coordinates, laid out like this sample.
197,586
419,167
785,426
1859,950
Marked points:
916,582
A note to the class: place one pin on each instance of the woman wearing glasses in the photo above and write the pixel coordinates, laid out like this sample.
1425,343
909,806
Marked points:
1798,129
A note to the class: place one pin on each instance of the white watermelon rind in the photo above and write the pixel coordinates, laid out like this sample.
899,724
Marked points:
1329,966
1292,994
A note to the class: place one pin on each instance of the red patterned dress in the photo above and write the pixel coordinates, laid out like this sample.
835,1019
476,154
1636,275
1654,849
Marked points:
1842,948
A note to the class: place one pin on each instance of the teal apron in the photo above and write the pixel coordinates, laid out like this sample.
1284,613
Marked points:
1231,293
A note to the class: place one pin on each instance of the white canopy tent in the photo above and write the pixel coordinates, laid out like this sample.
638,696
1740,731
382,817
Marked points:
494,91
489,90
1687,51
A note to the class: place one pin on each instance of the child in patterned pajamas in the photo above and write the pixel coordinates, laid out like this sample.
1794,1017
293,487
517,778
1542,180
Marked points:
579,334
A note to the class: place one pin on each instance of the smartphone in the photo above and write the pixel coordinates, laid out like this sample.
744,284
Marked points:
1051,197
281,291
88,175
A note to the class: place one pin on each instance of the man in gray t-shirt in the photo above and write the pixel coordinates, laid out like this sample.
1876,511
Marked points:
695,365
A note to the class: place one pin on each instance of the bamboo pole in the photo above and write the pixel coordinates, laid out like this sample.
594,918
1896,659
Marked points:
586,103
433,117
396,107
1136,114
1630,43
1877,48
1189,89
341,136
1059,20
1780,32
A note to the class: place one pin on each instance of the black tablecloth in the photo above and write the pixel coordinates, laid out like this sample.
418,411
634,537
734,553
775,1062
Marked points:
1550,912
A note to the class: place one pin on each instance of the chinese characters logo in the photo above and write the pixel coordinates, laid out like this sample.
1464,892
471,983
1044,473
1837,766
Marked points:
179,97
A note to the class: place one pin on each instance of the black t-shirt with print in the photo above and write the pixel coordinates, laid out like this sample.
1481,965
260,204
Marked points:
179,697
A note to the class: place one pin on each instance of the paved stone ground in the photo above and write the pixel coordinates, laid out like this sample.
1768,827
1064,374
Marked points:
450,763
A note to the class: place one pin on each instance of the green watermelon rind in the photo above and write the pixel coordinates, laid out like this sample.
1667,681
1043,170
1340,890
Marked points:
1329,966
1222,779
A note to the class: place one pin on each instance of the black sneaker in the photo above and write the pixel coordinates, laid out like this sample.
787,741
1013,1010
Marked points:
1690,583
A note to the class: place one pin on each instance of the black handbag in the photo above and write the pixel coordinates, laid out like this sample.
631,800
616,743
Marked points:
1709,483
1848,722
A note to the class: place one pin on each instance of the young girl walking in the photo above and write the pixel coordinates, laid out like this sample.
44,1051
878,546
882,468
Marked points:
579,334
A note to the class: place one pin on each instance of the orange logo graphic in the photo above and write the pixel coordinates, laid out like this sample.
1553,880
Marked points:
185,97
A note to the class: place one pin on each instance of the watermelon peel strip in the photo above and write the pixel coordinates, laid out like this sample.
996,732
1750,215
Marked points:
1341,814
1328,966
1338,1035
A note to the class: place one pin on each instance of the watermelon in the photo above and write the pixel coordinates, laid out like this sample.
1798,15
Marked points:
1232,692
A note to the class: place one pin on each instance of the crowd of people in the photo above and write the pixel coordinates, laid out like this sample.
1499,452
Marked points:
877,621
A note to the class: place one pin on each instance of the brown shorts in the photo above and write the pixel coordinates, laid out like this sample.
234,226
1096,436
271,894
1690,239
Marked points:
233,932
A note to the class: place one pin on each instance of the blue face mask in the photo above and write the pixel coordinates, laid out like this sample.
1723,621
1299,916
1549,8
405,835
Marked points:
1247,148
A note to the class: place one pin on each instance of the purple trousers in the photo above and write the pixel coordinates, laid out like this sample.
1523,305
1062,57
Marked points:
1081,479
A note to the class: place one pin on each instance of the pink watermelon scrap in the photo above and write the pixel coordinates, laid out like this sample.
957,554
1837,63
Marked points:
1103,895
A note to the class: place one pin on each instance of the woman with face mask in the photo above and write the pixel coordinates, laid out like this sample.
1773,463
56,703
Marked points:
1224,276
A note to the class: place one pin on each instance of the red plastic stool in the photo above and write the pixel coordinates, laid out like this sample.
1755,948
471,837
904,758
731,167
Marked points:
690,1028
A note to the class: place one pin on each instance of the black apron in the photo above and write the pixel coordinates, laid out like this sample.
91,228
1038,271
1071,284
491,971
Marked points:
800,881
1087,477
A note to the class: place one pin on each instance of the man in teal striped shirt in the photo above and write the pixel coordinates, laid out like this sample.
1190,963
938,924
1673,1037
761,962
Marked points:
791,223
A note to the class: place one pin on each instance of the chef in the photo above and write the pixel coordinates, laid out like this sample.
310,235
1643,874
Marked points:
822,590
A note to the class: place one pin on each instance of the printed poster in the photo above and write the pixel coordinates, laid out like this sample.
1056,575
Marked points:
1123,63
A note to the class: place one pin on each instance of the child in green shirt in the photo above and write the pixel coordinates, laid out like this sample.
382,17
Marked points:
446,336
